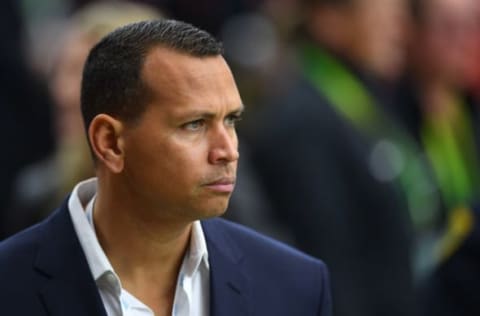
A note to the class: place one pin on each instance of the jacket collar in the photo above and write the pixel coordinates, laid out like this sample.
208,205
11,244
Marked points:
228,284
70,288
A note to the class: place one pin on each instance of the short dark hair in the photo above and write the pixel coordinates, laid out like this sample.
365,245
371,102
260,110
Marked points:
112,83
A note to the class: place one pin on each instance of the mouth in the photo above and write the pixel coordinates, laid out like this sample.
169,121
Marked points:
222,185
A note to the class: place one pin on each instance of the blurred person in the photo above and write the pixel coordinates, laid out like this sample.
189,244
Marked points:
447,124
41,186
159,104
254,51
452,290
473,53
337,161
445,118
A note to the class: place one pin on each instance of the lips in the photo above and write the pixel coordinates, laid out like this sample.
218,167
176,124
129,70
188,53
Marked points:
222,185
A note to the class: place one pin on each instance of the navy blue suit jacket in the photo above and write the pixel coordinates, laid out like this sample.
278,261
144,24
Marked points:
43,271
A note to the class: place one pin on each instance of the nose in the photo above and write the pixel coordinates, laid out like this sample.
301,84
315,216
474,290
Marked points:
224,146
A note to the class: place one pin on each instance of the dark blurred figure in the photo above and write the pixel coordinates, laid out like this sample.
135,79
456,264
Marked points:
454,288
446,121
473,75
25,118
256,53
342,173
443,115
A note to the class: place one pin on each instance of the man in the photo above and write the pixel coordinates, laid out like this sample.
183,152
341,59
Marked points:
447,121
331,160
160,106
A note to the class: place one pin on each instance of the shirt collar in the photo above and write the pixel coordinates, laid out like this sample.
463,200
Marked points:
82,198
197,253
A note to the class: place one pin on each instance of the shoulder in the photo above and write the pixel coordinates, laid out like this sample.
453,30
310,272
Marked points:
17,269
299,99
23,247
259,251
20,249
274,269
300,118
252,241
20,281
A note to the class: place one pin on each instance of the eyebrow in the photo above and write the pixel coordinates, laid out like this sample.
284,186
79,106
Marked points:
210,115
238,110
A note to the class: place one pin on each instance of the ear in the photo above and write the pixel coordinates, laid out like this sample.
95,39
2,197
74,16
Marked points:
105,135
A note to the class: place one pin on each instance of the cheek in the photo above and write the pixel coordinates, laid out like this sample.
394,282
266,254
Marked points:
176,166
160,176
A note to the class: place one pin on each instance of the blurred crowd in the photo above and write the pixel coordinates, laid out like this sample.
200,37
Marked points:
360,144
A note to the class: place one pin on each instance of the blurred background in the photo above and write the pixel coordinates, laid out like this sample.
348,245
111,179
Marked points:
360,142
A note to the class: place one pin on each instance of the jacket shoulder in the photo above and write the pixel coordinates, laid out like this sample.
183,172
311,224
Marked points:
20,249
274,268
251,242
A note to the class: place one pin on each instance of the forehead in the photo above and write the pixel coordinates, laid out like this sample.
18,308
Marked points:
172,74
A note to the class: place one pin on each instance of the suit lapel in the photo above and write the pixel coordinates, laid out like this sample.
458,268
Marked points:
69,288
228,284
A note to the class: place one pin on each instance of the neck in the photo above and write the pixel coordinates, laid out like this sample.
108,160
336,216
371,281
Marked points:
145,251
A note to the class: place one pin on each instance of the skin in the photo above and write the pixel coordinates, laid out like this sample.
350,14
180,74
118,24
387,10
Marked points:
442,49
445,40
379,36
175,165
369,33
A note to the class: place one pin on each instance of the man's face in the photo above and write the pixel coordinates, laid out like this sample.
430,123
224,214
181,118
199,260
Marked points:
447,38
379,35
181,158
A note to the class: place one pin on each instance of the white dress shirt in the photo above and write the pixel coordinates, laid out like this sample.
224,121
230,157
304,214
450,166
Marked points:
193,282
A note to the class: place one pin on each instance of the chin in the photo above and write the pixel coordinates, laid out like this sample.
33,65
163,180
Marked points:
215,213
218,209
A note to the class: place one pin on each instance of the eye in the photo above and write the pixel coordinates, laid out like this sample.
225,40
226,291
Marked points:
194,125
232,119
